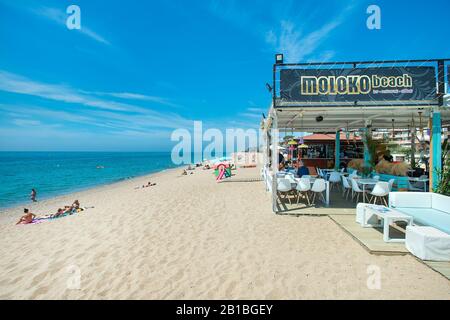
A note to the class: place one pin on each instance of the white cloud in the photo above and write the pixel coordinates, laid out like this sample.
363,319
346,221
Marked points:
58,16
100,112
251,115
136,96
26,122
256,110
296,46
300,43
11,82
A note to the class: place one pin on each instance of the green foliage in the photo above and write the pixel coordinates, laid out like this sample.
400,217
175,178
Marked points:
372,146
443,186
366,171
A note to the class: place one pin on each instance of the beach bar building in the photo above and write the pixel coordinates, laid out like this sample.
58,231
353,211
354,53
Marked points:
320,149
342,98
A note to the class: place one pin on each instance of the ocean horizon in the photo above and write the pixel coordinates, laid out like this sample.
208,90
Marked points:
55,173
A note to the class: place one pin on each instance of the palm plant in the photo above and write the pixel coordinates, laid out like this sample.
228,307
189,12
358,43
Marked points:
443,186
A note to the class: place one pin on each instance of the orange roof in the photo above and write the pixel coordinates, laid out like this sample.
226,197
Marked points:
328,137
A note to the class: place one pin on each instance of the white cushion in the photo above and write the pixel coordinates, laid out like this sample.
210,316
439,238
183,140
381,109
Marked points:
440,202
428,243
410,199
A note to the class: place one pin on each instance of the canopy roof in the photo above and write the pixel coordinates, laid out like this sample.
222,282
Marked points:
328,137
297,103
353,118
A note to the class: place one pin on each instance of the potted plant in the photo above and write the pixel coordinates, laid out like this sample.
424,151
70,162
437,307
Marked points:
443,186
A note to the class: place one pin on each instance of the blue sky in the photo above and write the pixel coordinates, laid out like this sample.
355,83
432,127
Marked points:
137,70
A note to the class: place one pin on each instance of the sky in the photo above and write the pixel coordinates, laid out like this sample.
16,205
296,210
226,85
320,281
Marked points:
137,70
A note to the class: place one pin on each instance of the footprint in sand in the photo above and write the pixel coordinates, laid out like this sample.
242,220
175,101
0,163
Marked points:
38,278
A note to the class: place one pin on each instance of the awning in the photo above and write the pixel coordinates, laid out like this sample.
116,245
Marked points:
330,119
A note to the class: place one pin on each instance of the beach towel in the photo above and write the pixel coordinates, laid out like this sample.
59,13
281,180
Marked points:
46,218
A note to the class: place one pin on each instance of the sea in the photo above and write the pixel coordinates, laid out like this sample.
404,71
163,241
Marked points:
57,173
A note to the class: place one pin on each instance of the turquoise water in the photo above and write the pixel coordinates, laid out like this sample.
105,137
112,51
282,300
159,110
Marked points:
56,173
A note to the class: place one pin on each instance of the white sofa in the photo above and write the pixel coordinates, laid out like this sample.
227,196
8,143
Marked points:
428,243
429,238
426,208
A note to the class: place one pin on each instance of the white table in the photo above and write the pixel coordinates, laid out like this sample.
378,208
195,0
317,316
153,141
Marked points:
425,181
364,183
388,215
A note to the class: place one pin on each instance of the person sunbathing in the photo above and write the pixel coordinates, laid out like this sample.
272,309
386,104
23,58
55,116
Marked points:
59,213
28,217
184,173
149,184
76,206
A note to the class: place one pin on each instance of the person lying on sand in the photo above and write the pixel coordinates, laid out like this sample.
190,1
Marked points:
69,210
59,213
149,184
76,206
184,173
28,217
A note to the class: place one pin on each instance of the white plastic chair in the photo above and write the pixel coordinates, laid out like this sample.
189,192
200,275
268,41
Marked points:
376,178
346,187
380,191
318,187
290,177
353,174
357,190
391,184
269,182
319,172
284,187
303,187
335,179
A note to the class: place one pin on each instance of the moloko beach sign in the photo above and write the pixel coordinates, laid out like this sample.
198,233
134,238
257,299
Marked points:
389,84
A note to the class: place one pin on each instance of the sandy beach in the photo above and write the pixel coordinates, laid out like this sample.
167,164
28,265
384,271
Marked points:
189,237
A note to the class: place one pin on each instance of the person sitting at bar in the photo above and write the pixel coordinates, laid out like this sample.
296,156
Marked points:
281,164
387,156
302,169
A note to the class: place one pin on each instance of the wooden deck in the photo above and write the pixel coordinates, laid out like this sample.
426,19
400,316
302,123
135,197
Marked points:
369,238
372,240
338,206
343,212
441,267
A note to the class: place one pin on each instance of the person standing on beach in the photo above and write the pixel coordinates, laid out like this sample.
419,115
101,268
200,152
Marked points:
33,195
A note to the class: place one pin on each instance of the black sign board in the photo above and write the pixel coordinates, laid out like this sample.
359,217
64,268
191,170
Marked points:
389,84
